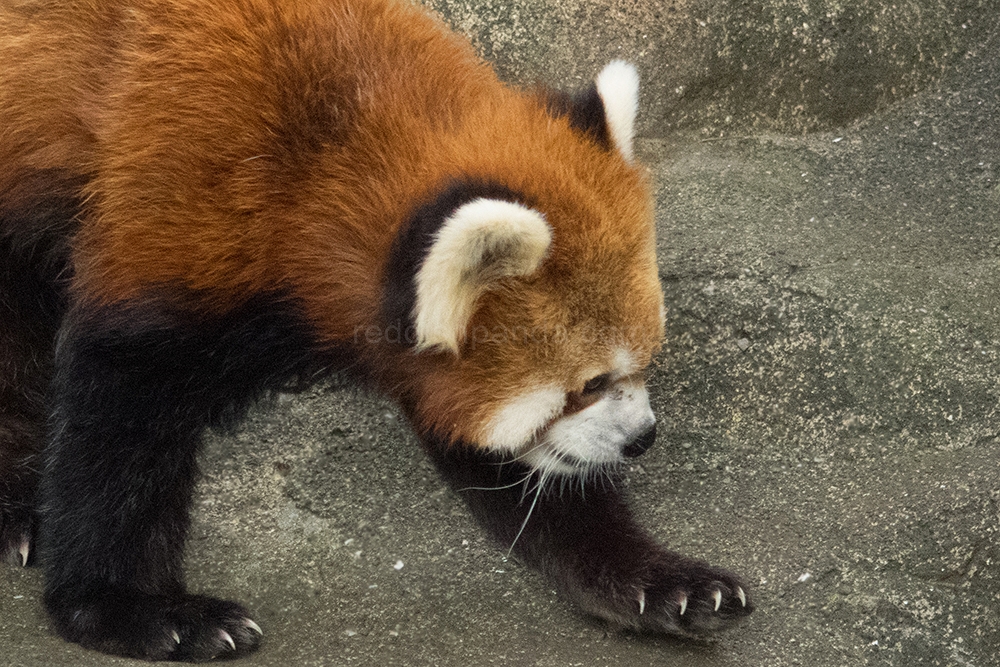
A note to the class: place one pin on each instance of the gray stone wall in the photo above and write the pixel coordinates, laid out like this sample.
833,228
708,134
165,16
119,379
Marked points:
725,66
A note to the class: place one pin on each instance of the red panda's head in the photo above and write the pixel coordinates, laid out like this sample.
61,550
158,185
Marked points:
526,294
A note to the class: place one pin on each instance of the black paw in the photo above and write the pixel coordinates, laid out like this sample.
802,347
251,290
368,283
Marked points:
691,598
17,532
188,627
674,595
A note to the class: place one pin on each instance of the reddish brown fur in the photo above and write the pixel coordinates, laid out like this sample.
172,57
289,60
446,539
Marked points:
229,159
241,172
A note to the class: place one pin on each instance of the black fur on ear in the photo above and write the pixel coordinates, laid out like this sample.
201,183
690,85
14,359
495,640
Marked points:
606,110
413,243
585,112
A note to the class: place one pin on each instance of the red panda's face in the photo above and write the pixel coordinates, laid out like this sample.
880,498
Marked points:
548,366
535,311
562,385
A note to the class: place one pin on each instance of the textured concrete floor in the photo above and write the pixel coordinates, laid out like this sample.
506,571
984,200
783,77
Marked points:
828,398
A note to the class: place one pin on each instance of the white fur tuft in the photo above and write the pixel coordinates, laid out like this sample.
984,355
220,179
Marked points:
595,436
516,423
618,86
482,242
623,363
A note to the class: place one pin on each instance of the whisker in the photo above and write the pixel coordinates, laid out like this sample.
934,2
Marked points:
530,447
523,480
491,488
531,510
526,491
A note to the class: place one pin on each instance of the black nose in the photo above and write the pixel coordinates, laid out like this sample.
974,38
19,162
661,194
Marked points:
639,446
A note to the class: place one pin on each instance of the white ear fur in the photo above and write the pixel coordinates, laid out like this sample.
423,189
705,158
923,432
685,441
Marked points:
618,86
481,242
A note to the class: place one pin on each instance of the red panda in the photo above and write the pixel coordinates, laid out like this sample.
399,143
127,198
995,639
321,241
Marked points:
201,202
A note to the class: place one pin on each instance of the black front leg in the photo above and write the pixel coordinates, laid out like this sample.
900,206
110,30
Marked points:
134,389
583,535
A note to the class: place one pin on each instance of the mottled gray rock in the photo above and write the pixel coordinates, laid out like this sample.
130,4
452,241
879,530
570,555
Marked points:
720,67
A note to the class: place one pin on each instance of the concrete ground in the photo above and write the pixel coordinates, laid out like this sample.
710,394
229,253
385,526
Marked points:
828,397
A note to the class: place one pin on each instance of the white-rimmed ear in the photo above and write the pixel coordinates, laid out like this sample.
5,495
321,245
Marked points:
618,87
481,242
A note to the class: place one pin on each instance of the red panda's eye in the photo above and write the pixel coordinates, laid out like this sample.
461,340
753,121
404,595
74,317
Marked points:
596,384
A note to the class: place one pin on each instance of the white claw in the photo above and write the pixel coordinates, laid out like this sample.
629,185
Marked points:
684,603
228,639
253,626
177,637
741,595
24,551
717,596
642,602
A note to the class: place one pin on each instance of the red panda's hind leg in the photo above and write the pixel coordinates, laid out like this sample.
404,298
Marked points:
22,420
20,438
588,542
36,215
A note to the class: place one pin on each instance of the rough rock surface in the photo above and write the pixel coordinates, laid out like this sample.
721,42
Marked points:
829,394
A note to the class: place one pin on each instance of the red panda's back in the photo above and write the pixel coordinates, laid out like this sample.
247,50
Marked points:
56,60
215,135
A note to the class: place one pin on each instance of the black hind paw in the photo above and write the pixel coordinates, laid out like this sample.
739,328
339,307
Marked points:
17,531
188,627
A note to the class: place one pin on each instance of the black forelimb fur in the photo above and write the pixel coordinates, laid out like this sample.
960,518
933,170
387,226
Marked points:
583,535
134,389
